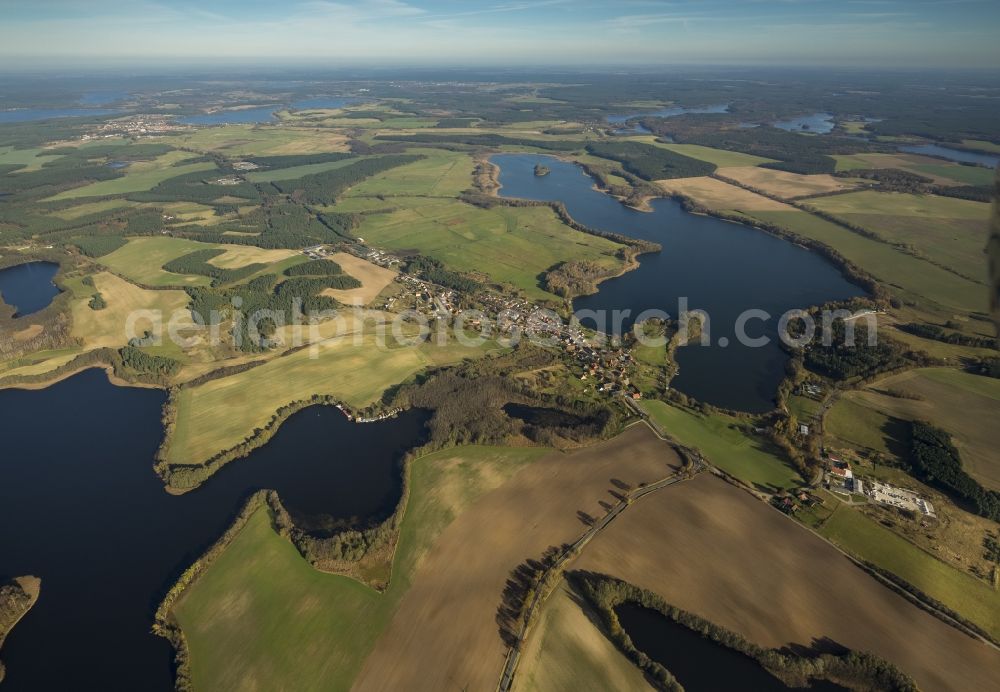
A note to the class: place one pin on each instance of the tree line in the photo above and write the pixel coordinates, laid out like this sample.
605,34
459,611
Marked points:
325,187
933,331
937,462
650,162
855,669
197,263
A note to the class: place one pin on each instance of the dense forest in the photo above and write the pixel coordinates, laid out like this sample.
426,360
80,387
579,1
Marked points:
197,263
324,188
468,403
935,461
933,331
264,293
841,360
651,162
483,140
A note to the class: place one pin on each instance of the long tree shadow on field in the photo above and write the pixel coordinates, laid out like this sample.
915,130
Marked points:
897,436
519,592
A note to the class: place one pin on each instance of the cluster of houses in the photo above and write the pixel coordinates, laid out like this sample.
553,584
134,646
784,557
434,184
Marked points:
790,504
391,413
426,297
134,125
840,478
316,251
244,166
379,257
607,368
228,180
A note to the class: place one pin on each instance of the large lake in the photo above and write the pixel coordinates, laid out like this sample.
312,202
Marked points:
28,287
264,114
81,507
720,267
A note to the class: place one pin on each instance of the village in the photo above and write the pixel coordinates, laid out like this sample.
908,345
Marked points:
602,363
136,126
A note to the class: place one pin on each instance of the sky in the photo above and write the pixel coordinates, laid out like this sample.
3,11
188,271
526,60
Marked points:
332,33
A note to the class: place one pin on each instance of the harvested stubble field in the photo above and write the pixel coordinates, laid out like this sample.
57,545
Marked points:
568,651
717,195
309,630
348,363
373,280
106,327
785,184
445,634
714,550
142,259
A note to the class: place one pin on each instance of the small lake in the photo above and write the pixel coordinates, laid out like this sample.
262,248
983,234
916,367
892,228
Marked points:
263,114
21,115
819,123
81,507
988,160
698,663
28,287
720,267
542,416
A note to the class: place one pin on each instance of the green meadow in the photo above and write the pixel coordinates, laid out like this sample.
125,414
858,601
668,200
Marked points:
310,630
749,459
919,280
869,541
513,245
140,176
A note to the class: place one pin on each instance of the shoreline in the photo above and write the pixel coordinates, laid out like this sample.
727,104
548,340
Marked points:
30,586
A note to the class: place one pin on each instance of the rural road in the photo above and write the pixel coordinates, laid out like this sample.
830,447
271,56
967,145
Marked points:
514,654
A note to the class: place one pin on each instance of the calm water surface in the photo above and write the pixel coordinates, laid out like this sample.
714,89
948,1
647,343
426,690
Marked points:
820,123
669,112
720,267
698,663
263,114
81,508
28,287
988,160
